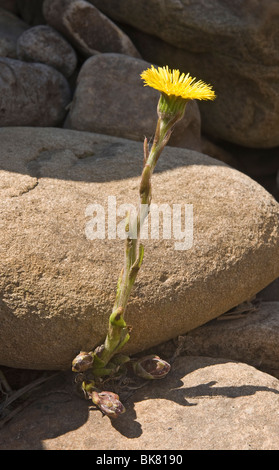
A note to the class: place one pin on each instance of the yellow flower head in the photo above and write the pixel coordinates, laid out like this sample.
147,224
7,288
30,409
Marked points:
172,83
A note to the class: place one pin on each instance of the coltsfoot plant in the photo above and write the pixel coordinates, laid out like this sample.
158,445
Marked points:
106,361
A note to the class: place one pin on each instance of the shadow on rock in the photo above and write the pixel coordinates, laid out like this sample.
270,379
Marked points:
58,418
54,409
175,389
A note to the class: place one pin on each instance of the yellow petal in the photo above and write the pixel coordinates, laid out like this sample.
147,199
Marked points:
171,82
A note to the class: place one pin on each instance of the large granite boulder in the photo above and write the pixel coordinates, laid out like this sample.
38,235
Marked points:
58,279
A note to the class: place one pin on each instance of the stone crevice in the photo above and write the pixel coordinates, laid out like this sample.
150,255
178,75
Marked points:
28,189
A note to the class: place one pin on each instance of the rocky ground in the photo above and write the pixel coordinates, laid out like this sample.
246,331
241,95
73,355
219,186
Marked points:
73,116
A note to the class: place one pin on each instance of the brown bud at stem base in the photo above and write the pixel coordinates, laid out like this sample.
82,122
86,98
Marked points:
82,362
109,403
151,367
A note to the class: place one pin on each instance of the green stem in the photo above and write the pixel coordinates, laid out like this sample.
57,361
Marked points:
118,332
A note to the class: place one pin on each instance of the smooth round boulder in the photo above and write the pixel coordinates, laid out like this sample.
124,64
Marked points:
32,94
87,28
62,195
43,44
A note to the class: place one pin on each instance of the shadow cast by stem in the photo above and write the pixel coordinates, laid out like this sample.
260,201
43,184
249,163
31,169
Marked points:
57,409
173,389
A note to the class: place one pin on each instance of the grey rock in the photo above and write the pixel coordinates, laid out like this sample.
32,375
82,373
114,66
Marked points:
11,27
31,11
87,28
250,336
270,293
31,94
232,45
44,44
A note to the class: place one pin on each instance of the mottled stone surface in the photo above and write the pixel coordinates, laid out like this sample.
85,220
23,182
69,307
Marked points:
44,44
87,28
244,334
31,94
203,404
58,282
232,45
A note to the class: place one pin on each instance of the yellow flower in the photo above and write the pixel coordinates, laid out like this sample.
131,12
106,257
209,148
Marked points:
172,83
